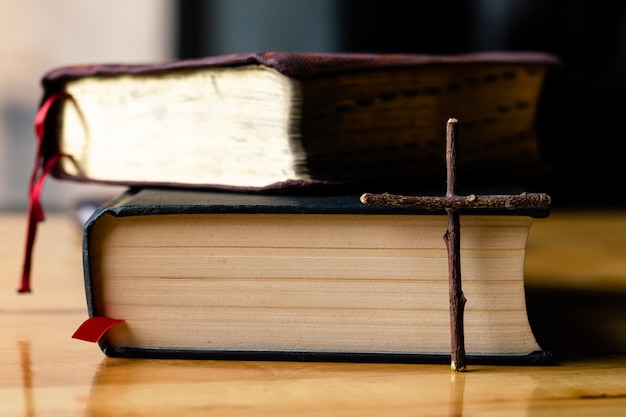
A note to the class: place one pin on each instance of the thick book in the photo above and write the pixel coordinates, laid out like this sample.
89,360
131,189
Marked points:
200,274
276,119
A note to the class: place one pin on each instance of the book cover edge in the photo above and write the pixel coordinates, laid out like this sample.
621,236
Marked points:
538,357
130,203
303,65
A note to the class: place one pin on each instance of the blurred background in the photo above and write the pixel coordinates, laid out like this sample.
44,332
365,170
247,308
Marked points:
582,105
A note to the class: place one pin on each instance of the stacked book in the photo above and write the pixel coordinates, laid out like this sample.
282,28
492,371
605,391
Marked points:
241,234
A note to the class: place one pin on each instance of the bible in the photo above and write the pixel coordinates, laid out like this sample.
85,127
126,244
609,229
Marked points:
207,274
278,119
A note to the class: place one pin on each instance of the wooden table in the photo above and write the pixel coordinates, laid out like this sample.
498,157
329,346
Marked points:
43,372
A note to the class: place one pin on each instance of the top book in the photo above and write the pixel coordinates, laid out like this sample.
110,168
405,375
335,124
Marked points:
276,119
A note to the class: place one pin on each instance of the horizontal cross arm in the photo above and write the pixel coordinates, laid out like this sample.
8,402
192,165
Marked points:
472,201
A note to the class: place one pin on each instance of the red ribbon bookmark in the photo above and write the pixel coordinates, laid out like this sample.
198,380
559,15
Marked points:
94,328
37,179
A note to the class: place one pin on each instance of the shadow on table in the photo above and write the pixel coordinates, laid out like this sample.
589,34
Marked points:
578,322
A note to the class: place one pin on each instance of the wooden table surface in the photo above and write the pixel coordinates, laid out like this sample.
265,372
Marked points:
43,372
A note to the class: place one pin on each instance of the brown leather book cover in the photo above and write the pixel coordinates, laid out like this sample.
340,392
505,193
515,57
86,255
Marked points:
302,65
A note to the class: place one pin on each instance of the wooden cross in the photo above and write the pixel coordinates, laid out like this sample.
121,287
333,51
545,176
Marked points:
452,203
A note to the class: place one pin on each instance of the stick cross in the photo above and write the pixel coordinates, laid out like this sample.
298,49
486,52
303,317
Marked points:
452,203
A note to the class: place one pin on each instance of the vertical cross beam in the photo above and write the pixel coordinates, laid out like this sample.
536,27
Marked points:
452,238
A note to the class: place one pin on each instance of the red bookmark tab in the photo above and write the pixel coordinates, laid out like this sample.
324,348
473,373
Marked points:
94,328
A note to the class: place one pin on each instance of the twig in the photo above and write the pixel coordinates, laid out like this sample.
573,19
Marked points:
457,202
452,238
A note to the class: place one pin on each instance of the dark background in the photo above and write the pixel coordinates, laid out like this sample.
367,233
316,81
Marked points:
583,101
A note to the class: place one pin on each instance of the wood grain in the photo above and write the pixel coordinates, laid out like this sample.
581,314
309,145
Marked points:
44,372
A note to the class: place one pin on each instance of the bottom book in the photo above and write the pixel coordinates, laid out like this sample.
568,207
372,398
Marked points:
199,274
